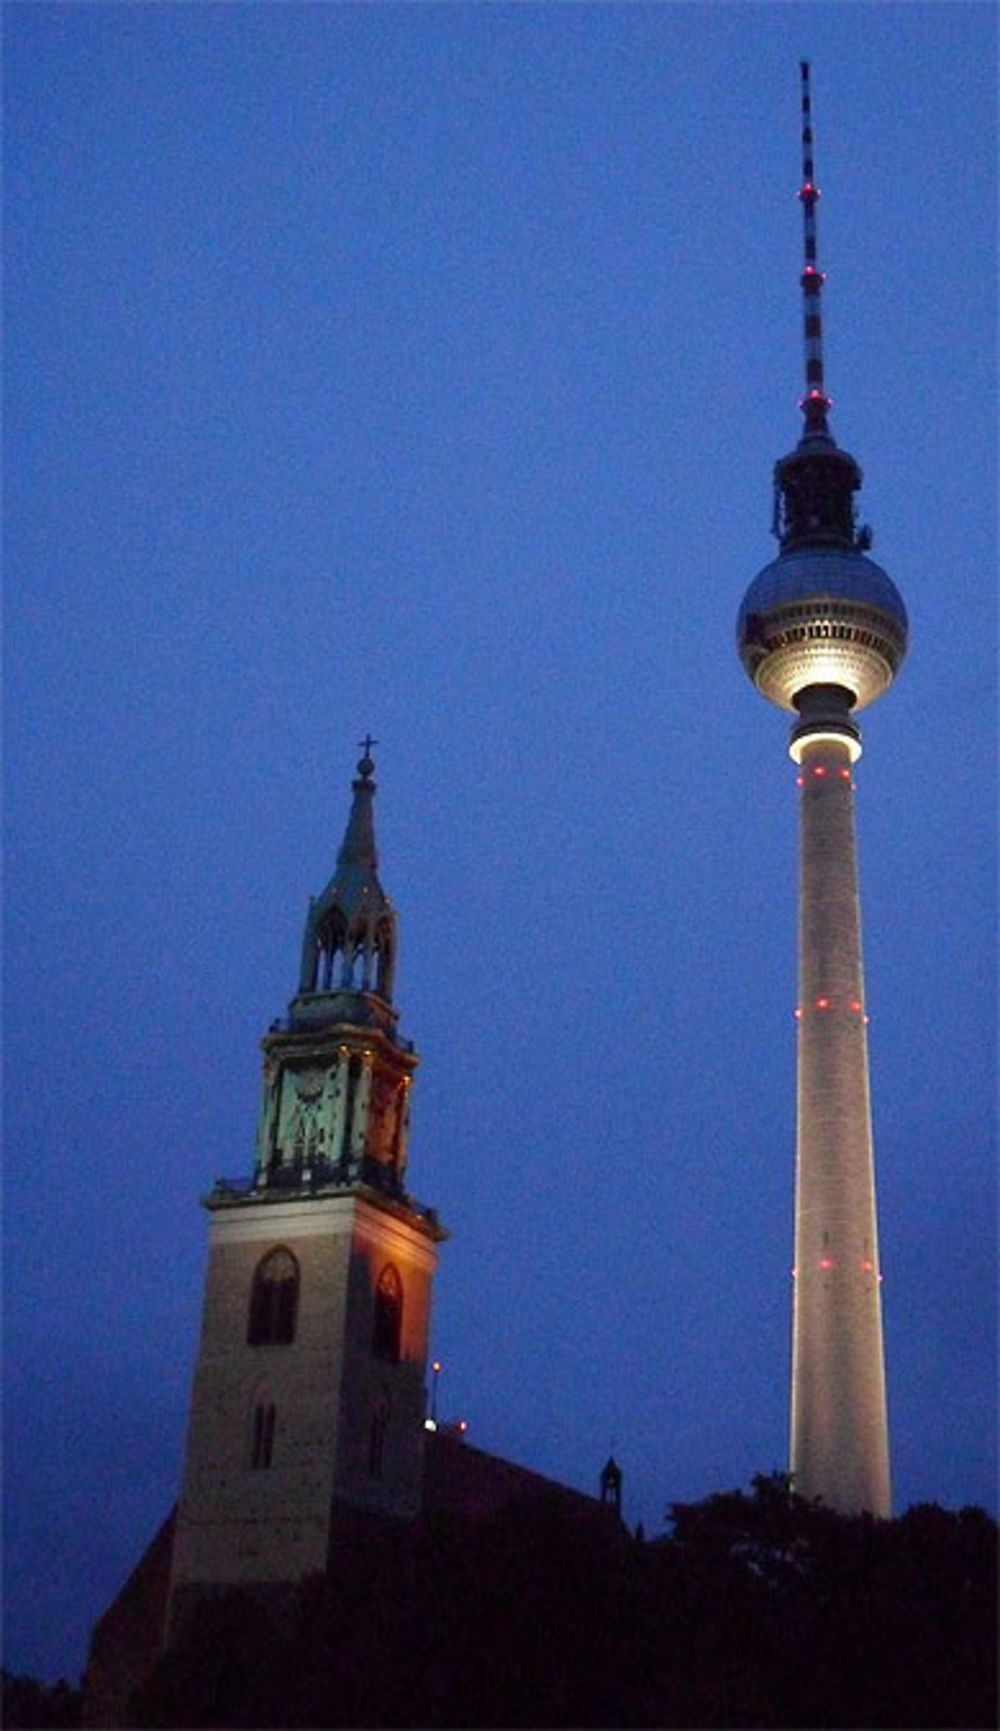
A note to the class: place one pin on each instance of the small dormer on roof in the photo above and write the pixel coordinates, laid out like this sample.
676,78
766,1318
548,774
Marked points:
349,944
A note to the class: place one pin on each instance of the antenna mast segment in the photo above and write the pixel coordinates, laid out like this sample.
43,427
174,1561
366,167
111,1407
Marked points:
815,403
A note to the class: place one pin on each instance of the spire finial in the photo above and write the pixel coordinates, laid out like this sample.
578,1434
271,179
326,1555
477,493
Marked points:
815,403
349,941
367,764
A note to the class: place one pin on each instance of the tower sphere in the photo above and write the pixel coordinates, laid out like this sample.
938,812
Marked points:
822,616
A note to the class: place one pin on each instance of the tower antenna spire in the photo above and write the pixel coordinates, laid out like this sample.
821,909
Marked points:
815,403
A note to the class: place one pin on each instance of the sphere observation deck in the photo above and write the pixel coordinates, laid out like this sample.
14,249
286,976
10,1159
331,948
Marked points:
821,616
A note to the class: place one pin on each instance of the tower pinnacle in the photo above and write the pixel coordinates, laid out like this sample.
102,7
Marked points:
814,486
350,938
821,614
815,403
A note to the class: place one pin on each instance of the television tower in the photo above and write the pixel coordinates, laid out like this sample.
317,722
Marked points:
822,632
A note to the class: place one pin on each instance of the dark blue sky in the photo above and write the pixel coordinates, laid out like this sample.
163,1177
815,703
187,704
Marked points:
421,369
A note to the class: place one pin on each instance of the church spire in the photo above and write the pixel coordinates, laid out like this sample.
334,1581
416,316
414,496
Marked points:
814,486
357,850
349,944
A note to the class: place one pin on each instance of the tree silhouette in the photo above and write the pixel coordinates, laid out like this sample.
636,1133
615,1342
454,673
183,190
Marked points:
757,1609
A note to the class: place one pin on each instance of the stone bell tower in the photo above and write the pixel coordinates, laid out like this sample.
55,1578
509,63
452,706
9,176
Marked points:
308,1397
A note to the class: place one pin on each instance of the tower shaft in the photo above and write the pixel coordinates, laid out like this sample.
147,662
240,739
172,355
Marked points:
839,1429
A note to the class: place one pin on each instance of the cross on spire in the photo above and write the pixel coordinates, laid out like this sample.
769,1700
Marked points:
366,744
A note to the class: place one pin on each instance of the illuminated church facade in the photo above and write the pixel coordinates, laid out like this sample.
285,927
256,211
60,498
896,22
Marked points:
309,1388
309,1426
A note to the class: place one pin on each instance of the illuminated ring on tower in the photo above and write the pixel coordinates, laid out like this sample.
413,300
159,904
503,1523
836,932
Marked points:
822,618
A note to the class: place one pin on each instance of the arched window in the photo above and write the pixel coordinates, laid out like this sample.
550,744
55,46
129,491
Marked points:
388,1325
274,1300
262,1442
306,1133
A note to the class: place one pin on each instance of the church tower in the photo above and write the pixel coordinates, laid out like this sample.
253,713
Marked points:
308,1399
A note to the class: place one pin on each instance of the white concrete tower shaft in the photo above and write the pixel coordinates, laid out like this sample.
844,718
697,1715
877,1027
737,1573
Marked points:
839,1429
822,632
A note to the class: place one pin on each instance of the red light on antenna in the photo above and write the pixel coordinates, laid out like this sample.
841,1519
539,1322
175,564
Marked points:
819,769
845,775
822,1003
826,1262
855,1004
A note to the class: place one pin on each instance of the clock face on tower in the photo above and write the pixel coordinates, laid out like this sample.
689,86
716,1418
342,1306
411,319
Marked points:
309,1084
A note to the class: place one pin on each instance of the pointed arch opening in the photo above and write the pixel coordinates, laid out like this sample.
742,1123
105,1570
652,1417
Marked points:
263,1424
333,938
274,1300
384,958
387,1328
361,970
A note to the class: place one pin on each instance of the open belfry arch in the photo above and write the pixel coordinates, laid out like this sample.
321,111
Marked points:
308,1400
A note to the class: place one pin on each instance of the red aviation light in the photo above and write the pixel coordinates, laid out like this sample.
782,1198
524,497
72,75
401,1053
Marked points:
822,1003
855,1004
845,774
819,769
868,1267
826,1262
